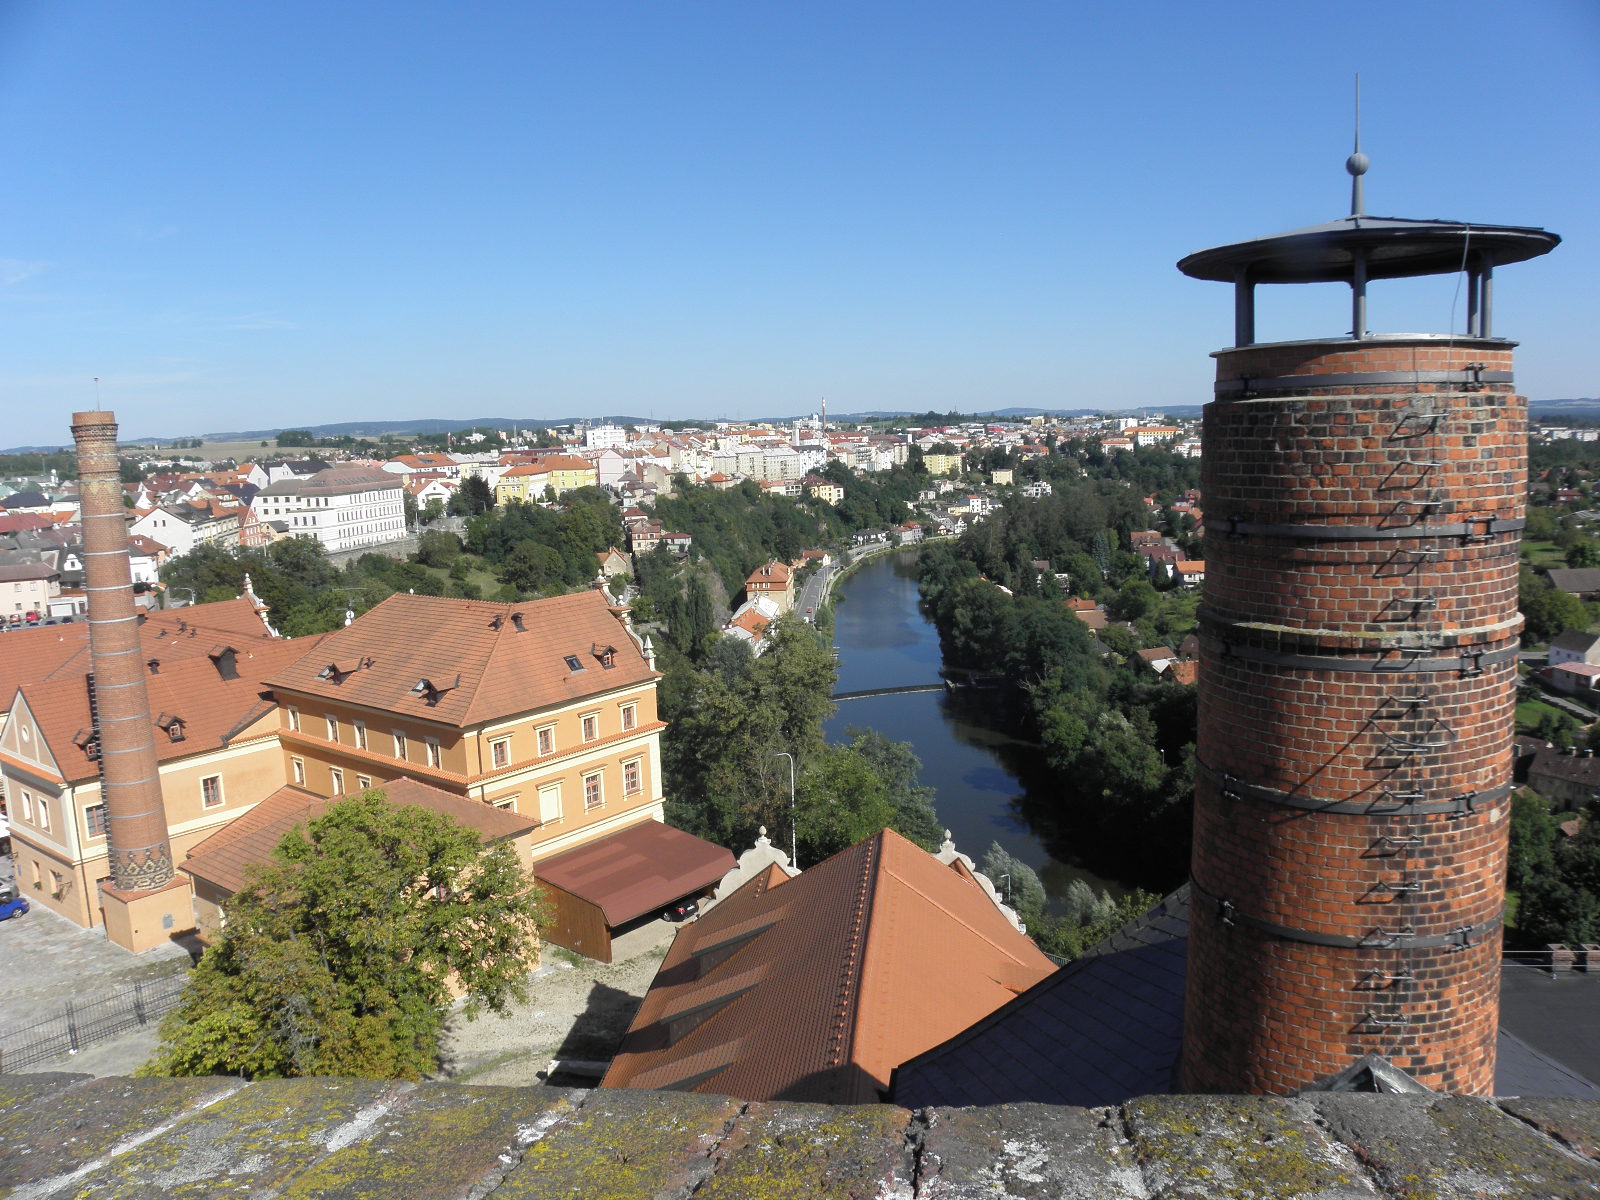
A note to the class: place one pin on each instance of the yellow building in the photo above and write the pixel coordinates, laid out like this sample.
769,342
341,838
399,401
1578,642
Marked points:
216,744
942,464
545,709
560,473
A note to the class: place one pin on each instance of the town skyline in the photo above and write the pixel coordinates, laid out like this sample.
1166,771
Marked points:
228,214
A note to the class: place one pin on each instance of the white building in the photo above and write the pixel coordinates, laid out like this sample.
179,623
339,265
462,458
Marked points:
342,507
605,437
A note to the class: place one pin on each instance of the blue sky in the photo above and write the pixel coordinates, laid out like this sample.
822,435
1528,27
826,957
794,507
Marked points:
245,215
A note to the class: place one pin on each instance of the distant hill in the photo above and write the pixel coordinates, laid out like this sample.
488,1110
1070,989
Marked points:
1583,406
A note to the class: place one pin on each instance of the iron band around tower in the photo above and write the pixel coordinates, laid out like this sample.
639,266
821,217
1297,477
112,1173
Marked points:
1475,530
1248,386
1394,660
1389,803
1463,937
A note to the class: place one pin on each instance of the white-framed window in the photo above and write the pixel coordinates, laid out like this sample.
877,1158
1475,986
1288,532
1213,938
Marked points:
434,757
630,717
550,804
594,792
547,740
211,791
591,726
94,820
363,782
399,744
44,813
333,729
336,781
500,752
632,777
506,803
361,735
27,806
294,719
298,767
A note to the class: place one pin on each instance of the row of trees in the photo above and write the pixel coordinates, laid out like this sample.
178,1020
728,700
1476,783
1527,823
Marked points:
1556,878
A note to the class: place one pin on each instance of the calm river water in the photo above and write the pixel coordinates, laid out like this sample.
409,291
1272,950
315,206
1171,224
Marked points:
977,769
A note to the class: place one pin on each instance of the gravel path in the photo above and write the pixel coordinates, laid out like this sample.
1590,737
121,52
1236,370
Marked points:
577,1009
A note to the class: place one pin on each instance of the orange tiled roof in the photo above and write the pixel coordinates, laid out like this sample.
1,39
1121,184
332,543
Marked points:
774,572
225,858
464,662
817,987
49,652
1186,673
214,709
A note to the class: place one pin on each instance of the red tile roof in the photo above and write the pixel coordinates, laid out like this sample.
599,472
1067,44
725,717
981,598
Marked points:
817,987
465,662
225,858
637,870
214,709
49,652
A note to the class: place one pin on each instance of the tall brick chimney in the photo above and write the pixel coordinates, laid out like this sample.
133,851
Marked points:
1359,635
140,854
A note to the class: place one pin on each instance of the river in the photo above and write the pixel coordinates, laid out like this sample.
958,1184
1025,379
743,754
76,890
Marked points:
977,768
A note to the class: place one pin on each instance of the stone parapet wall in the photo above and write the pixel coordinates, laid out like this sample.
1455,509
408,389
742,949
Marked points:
68,1136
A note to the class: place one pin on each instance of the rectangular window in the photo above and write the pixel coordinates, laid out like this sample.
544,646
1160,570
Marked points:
550,804
94,820
44,813
434,757
27,806
298,766
294,719
56,884
211,791
591,726
547,740
632,778
506,803
500,752
336,781
363,782
399,744
593,792
630,716
361,735
333,729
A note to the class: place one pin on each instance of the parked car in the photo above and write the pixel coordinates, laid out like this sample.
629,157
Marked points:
682,910
11,904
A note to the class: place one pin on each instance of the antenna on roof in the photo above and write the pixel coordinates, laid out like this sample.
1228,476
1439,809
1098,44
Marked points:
1357,164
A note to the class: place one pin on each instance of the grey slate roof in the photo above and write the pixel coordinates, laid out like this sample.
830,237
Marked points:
1100,1030
1109,1027
1577,580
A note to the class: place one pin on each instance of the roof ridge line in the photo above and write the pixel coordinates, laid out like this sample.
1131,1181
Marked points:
842,1022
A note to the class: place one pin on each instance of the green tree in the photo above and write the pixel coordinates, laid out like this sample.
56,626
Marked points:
340,954
1017,882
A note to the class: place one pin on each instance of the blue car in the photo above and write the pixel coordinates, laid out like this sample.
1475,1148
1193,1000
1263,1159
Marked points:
11,904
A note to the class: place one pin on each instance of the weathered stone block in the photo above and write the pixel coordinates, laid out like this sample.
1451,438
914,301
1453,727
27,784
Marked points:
813,1152
1027,1152
1453,1148
623,1144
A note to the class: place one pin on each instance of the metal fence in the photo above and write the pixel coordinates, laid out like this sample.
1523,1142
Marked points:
81,1024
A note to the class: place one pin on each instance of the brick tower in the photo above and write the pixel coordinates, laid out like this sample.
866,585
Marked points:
144,903
1364,507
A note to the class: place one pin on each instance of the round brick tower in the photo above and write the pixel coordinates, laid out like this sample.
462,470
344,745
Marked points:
1359,636
140,854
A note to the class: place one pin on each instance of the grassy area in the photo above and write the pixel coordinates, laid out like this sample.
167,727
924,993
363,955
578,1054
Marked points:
1530,712
1543,554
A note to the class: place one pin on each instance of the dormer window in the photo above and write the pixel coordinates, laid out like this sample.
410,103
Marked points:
172,726
606,654
89,742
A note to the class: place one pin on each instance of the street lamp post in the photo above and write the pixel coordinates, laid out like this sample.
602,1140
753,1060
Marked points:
794,836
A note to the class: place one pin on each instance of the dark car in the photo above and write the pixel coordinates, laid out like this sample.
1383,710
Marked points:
11,904
682,910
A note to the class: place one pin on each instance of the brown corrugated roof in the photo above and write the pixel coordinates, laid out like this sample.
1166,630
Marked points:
213,709
465,662
637,869
225,858
854,966
56,651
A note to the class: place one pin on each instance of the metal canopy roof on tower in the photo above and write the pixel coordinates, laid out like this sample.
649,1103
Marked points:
1396,248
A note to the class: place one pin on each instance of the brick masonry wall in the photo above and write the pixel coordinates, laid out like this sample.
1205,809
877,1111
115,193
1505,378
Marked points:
1332,918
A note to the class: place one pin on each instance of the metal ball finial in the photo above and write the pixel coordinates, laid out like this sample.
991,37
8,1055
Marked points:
1357,163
